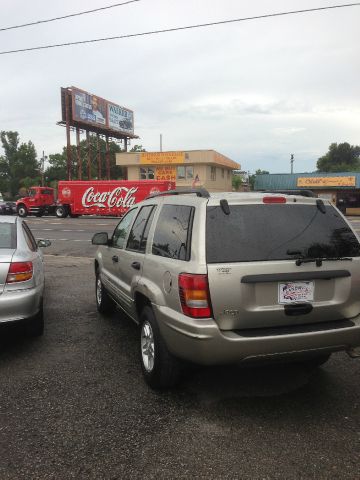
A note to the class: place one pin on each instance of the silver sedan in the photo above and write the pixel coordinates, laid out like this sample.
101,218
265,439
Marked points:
21,275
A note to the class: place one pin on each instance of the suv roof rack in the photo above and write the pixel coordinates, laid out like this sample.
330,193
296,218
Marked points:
199,192
303,193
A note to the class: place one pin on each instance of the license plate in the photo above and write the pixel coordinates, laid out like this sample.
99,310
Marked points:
293,292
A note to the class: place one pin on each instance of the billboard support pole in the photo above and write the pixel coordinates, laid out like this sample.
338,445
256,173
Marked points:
68,140
79,159
107,158
88,154
98,156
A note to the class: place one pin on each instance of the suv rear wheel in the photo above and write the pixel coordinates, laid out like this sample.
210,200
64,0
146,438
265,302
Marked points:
104,304
160,368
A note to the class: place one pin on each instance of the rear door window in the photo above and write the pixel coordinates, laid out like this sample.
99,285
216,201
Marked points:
172,237
29,237
140,229
277,232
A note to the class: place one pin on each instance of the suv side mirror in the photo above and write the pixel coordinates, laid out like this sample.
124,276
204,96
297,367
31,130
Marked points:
100,239
43,243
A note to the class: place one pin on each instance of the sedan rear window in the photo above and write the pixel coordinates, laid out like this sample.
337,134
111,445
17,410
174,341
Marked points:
7,235
277,232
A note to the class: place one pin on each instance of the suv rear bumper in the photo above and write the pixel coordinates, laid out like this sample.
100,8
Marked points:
202,342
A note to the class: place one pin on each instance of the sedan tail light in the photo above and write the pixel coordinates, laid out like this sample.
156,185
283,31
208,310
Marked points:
194,295
19,272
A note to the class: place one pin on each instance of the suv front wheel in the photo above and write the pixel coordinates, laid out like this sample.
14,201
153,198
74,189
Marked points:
160,368
104,304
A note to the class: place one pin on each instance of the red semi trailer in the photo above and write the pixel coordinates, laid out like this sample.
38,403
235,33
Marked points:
92,197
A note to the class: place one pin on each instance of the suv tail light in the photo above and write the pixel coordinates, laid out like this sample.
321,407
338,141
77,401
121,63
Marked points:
194,295
19,272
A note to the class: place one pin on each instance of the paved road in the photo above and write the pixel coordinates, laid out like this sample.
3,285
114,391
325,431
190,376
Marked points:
73,403
70,236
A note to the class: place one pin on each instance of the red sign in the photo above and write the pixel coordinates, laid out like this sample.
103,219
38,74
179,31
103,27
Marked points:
103,197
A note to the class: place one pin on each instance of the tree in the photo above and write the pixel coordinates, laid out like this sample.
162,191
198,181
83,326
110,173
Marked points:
18,163
57,169
253,177
138,148
341,157
236,182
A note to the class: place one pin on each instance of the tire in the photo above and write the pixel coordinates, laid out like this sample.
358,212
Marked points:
61,212
317,361
22,210
39,214
104,303
160,368
35,327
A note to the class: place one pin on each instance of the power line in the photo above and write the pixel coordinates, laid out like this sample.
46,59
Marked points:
68,16
175,29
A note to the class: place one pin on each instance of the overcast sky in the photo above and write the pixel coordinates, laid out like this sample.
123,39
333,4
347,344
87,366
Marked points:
255,91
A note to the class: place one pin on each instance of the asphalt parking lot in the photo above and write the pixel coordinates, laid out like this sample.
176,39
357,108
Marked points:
73,403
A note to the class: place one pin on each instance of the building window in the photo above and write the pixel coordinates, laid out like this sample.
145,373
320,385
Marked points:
147,173
185,173
228,174
222,173
213,173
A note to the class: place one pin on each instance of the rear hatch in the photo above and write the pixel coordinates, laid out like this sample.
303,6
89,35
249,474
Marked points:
279,264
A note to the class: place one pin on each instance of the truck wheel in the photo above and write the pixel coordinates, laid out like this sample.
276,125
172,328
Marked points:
61,212
22,210
160,368
104,304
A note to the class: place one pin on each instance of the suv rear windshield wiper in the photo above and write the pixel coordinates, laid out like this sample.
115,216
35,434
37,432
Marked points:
319,261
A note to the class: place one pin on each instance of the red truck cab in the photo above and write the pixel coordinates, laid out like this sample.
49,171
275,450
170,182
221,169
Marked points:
40,200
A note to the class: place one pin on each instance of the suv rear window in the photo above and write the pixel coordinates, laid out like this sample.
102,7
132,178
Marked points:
277,232
172,237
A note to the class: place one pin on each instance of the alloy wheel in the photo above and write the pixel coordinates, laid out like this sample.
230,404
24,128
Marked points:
147,346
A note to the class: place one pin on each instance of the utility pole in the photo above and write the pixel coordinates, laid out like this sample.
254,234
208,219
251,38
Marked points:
42,168
160,142
292,163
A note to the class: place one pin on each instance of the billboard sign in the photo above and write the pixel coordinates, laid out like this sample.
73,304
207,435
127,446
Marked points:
97,112
120,119
88,108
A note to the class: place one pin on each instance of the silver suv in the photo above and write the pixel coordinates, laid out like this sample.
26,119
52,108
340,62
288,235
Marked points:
229,277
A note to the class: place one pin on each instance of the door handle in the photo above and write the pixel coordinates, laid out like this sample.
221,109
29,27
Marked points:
136,265
115,258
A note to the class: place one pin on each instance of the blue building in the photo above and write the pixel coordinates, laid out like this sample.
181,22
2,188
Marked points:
342,189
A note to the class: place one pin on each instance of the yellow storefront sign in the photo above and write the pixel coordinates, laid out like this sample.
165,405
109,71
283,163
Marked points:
326,182
165,173
161,158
